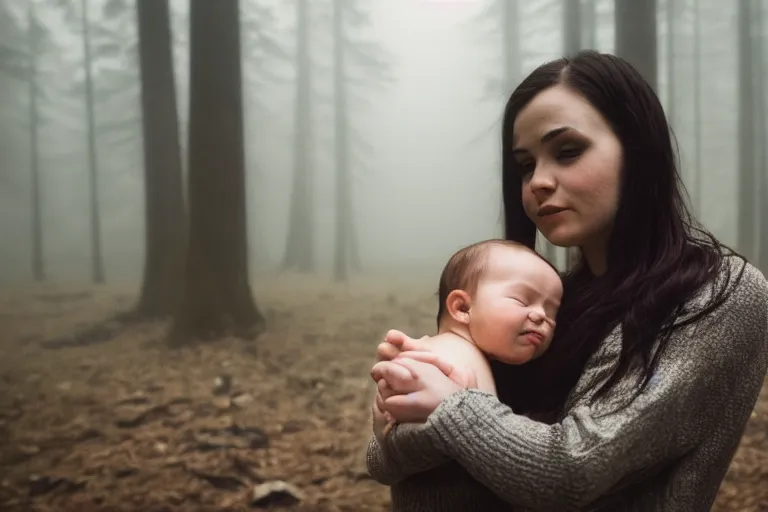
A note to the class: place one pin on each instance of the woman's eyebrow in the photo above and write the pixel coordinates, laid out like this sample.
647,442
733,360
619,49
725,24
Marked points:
551,134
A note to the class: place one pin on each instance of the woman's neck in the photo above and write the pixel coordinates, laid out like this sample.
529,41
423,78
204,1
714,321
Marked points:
595,256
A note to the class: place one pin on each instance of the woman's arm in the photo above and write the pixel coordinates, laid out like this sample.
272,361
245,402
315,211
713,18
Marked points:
381,454
706,369
382,460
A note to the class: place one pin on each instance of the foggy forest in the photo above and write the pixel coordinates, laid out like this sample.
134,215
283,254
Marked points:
212,211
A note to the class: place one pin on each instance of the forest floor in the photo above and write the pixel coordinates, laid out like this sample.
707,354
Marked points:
131,424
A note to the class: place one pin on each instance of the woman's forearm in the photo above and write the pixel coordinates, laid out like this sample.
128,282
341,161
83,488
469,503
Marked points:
398,457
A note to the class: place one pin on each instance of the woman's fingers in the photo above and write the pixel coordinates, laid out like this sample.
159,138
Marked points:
430,387
394,342
460,375
389,371
379,403
383,389
429,358
381,419
404,342
397,341
402,408
386,351
399,378
395,337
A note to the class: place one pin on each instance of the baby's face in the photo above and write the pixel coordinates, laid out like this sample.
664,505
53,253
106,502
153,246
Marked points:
512,313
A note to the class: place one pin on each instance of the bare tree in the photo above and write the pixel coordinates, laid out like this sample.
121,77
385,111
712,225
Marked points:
746,131
299,251
672,13
697,106
501,18
267,60
573,42
97,259
636,36
761,96
589,24
216,295
22,63
100,44
359,66
164,202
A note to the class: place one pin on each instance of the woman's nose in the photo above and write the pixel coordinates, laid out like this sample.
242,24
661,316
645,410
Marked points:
542,184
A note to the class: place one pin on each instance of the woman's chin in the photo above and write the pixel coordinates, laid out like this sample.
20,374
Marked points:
561,238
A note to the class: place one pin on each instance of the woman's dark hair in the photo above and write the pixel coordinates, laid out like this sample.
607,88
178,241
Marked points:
658,254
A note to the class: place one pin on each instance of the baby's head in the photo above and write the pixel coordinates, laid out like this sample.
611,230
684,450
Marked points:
504,295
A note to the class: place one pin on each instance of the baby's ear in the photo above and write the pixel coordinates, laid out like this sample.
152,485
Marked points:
458,304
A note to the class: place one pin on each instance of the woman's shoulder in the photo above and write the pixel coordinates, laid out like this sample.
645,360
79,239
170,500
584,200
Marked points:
753,282
737,284
727,316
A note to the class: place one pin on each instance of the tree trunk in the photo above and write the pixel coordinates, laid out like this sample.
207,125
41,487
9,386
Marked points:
671,13
299,250
510,40
354,247
164,202
746,227
573,19
216,296
97,262
571,27
511,61
635,22
509,31
696,170
589,22
38,266
761,95
343,199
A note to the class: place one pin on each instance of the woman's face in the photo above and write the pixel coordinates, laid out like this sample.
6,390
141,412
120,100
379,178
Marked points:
570,161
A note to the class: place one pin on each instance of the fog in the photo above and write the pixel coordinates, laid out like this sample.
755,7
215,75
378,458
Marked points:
425,177
412,130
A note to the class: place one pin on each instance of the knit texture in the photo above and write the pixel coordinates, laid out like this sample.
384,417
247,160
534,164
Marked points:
668,449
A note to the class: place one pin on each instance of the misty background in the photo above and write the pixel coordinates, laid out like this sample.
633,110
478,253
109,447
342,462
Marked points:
294,172
425,100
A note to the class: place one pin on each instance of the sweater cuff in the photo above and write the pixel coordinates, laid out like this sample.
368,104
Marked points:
455,417
413,445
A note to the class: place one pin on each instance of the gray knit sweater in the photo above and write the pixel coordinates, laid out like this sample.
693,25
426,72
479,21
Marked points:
667,450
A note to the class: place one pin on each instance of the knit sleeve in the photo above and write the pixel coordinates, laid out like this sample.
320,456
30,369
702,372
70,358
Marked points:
388,466
715,366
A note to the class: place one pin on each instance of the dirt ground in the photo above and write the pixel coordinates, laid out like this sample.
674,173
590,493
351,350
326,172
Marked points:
281,422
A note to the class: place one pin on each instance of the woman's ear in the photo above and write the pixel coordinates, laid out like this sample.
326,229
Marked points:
458,304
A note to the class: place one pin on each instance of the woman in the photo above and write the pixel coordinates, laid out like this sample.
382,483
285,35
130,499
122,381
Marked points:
661,345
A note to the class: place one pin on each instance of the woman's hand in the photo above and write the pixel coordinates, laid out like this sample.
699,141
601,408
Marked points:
381,420
396,342
413,384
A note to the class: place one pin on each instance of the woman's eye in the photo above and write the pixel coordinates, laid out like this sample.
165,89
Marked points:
525,168
567,153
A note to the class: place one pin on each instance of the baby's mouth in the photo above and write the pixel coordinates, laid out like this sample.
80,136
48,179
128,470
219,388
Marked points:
534,337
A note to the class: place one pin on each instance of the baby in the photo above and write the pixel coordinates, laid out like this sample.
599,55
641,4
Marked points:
497,300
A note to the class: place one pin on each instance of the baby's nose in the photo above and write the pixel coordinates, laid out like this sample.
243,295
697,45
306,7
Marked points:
536,316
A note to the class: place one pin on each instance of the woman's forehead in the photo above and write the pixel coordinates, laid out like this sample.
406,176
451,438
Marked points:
552,109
